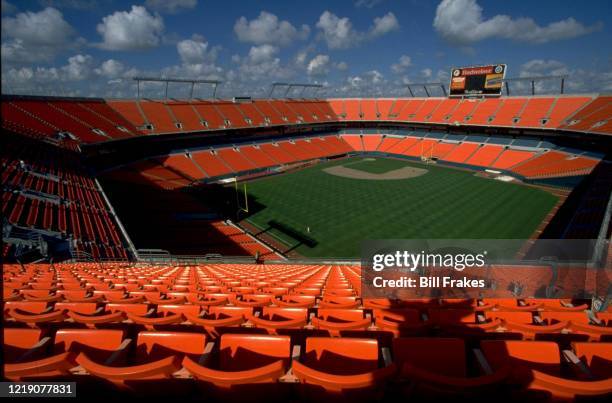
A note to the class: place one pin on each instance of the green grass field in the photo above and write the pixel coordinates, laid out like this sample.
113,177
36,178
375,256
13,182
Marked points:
341,212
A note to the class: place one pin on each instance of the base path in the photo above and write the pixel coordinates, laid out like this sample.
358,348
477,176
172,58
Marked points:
402,173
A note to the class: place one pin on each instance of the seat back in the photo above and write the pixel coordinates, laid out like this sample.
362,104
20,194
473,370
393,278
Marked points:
557,316
178,309
86,308
451,316
134,309
240,352
97,344
18,341
276,313
597,356
539,355
407,316
230,311
438,355
26,306
158,345
346,315
345,356
525,318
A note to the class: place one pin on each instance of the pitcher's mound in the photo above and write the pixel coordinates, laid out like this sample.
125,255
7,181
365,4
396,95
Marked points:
402,173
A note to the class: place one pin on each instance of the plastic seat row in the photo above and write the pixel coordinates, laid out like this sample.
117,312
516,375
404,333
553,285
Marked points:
320,367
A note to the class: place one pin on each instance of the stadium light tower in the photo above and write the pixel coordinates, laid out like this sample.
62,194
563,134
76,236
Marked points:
193,82
425,86
290,86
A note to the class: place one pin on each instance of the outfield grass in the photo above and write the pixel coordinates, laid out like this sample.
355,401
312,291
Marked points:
443,203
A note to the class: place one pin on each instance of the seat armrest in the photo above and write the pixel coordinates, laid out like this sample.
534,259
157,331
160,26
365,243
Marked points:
386,355
210,346
577,363
482,362
119,352
43,343
296,352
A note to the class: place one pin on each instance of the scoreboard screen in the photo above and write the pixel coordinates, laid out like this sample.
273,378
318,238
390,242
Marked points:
477,81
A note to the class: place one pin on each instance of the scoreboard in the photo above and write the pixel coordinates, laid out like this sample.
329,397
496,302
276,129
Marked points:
477,81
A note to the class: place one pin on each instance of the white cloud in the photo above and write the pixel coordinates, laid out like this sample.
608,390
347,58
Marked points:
404,62
578,80
262,64
268,29
198,59
30,37
539,67
367,3
339,33
426,73
385,24
341,66
263,53
318,66
73,4
369,83
171,6
79,67
195,50
462,22
111,68
8,8
136,29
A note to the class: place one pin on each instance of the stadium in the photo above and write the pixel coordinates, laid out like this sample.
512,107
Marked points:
219,248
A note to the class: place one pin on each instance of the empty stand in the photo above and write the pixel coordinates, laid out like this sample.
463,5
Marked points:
461,153
485,111
485,155
535,112
210,163
509,111
354,140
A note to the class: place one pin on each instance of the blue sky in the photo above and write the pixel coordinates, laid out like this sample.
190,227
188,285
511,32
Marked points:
354,47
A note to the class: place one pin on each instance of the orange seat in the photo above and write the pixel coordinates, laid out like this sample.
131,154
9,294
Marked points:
440,365
577,322
101,345
165,315
217,317
18,342
339,302
113,313
80,296
158,356
275,318
597,357
399,321
339,365
296,301
32,313
254,300
461,322
337,320
208,299
557,304
536,366
245,359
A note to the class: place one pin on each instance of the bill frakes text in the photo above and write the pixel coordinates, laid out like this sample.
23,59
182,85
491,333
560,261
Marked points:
428,282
